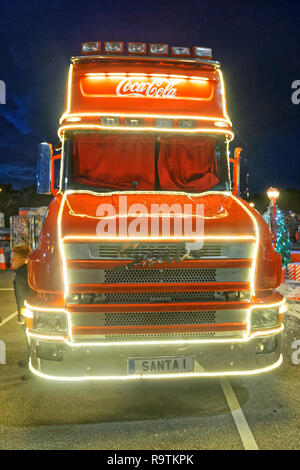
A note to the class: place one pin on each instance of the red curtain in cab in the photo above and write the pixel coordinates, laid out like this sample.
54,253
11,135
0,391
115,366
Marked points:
187,163
114,161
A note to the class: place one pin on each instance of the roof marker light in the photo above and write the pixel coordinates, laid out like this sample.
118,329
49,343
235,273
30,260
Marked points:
114,47
137,48
186,123
158,49
134,122
73,119
166,123
180,51
109,121
91,48
221,124
203,52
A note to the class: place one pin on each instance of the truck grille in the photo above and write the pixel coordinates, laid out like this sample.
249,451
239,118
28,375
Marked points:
160,337
161,297
160,318
145,276
144,318
102,285
155,250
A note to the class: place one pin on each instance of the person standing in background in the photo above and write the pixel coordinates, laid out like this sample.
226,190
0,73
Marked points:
18,259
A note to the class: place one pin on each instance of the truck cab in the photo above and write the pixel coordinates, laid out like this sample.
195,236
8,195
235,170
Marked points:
149,264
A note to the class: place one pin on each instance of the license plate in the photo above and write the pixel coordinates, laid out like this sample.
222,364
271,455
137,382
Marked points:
160,365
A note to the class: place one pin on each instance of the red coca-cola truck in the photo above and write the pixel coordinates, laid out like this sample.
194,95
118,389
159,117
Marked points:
149,264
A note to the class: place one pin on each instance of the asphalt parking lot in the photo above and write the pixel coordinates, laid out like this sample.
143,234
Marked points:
260,412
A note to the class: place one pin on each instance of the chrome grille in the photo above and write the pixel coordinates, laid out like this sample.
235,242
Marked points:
154,250
144,318
141,276
159,250
160,337
158,297
160,318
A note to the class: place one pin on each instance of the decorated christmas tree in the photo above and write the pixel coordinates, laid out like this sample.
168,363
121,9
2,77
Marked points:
279,233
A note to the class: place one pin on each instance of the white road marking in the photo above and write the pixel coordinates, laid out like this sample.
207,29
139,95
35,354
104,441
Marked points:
245,433
6,288
12,315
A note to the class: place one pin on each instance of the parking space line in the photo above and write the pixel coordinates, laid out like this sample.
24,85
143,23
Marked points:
12,315
245,433
6,288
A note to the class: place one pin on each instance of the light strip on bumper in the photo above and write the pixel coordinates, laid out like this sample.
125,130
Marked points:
158,376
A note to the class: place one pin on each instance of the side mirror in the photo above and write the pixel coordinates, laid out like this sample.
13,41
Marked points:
45,153
54,173
236,170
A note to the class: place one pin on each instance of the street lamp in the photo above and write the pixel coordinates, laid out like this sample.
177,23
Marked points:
273,195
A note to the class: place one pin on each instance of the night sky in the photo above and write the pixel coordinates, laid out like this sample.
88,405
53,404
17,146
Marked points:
258,45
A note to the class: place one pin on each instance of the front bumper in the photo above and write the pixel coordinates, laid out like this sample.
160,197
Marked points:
59,360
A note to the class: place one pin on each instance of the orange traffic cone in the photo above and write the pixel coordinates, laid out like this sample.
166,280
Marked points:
2,259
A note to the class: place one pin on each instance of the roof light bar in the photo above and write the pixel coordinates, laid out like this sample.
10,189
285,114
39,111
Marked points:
114,47
180,51
158,49
203,52
140,48
88,48
137,48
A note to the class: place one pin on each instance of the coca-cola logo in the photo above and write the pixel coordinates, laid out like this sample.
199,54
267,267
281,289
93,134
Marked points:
154,88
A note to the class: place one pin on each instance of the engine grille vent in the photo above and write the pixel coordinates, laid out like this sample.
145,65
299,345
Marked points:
160,318
141,276
158,297
144,318
153,250
160,337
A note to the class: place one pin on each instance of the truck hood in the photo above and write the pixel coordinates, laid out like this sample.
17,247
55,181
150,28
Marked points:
120,215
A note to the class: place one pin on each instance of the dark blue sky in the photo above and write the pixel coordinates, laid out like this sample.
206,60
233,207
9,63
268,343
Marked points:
258,45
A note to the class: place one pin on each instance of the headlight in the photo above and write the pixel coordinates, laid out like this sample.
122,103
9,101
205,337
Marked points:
51,322
265,318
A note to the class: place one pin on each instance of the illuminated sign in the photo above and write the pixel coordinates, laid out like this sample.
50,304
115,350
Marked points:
157,88
103,86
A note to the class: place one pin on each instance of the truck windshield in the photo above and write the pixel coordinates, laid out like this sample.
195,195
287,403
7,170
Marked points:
146,162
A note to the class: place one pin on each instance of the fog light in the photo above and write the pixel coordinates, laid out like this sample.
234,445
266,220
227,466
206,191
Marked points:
50,352
259,348
267,345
